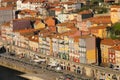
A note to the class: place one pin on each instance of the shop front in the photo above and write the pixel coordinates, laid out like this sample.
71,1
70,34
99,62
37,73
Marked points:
78,70
68,67
63,56
62,64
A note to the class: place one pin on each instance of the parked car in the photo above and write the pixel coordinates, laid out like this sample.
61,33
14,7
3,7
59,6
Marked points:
116,68
58,68
12,54
69,77
39,60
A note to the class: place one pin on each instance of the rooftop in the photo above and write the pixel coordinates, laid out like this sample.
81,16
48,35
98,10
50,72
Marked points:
85,12
34,38
115,6
33,1
109,42
98,27
116,47
9,0
100,20
56,9
6,8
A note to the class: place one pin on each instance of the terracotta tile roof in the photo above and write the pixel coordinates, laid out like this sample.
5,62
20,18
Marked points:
11,5
76,39
66,24
98,27
85,12
114,10
33,1
74,21
109,42
25,31
27,18
115,6
37,21
7,24
100,20
54,4
86,36
56,9
67,33
9,0
6,8
69,2
116,48
29,11
34,38
52,28
75,34
45,32
49,17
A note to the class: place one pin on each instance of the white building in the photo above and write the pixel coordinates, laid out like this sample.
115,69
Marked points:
31,4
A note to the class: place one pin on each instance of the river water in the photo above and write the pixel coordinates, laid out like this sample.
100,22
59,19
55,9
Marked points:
9,74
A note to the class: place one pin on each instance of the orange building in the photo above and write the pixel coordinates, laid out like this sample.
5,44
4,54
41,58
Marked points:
50,21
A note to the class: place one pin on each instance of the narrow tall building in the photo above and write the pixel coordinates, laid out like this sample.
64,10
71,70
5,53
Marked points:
6,14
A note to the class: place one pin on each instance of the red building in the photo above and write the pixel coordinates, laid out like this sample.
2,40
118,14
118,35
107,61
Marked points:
111,55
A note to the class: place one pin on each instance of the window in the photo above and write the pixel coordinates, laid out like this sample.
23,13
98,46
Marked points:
110,55
110,60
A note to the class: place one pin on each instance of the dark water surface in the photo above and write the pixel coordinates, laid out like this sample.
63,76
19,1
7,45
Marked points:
9,74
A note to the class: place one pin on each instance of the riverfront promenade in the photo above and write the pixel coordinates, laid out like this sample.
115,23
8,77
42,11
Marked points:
88,71
33,71
27,67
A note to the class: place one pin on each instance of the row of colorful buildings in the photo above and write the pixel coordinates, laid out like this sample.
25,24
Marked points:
63,36
64,48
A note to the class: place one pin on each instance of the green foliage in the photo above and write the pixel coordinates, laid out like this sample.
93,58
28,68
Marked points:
101,10
94,5
116,26
115,31
84,8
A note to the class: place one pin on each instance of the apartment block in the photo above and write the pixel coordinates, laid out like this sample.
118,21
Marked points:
99,31
87,49
114,56
105,45
7,14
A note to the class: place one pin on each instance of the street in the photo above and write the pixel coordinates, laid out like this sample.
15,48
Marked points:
36,68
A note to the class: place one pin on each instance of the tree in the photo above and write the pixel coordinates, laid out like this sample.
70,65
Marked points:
115,31
108,29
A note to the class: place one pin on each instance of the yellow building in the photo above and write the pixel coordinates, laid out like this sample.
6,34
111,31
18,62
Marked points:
98,20
115,13
33,43
39,25
99,31
105,44
118,56
87,49
64,27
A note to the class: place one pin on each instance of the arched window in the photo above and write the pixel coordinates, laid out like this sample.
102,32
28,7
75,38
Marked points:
78,70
